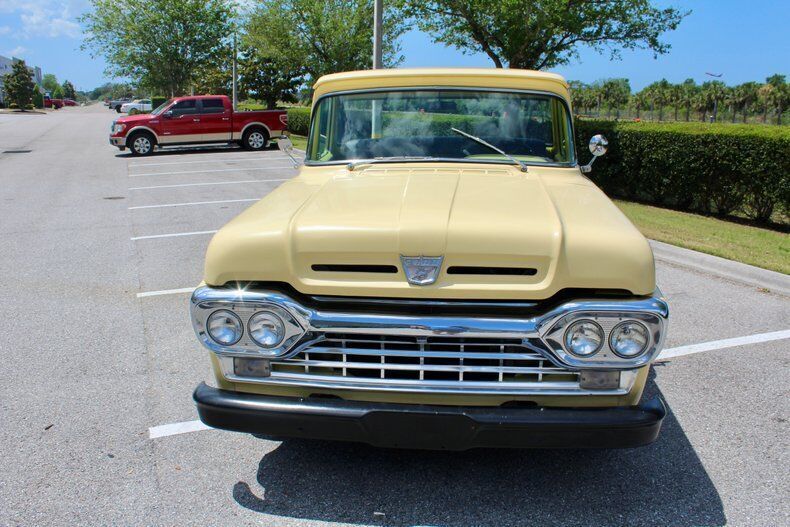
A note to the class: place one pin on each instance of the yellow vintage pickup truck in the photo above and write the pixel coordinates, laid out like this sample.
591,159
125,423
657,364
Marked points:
439,275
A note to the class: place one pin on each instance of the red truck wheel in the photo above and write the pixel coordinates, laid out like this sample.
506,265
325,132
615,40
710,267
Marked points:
141,144
255,139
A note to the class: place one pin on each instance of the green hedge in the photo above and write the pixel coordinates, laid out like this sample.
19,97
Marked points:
698,167
299,120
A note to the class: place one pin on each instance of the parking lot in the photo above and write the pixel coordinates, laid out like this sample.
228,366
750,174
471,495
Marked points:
99,252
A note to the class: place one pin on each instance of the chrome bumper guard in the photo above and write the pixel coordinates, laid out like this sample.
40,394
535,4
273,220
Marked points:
429,354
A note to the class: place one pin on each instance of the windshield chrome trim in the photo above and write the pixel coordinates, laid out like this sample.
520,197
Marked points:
574,162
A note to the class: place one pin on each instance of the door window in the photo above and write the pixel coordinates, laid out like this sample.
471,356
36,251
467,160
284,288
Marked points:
186,107
213,106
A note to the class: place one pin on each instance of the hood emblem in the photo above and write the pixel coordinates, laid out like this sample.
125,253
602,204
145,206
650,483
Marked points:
421,270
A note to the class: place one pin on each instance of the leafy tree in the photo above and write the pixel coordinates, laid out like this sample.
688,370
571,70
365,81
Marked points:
778,95
688,96
19,86
659,94
38,98
615,93
745,96
57,93
215,76
269,79
161,43
538,34
68,90
49,82
322,36
713,92
640,101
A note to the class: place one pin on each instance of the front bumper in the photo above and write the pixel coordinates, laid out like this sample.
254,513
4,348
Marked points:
117,141
430,427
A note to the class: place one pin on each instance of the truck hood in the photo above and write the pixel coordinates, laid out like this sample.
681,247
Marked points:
501,234
135,119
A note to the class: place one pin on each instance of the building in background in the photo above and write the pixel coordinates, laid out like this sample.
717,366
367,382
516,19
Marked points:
5,67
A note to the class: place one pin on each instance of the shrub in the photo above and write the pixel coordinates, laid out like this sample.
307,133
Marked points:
299,120
694,166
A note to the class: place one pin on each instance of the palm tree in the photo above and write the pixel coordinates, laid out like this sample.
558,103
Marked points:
688,94
713,92
779,95
746,96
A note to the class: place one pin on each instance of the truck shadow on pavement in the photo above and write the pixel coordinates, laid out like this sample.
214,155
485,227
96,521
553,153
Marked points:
661,484
202,149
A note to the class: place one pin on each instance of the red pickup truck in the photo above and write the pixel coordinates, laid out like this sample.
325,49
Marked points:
191,120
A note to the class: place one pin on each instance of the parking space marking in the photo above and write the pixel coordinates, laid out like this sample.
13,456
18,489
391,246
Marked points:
233,159
177,428
155,432
181,172
171,235
193,203
212,183
166,292
724,343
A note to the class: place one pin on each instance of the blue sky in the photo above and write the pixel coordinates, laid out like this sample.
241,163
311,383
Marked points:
743,40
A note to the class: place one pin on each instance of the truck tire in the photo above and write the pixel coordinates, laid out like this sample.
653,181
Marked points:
255,139
141,143
134,111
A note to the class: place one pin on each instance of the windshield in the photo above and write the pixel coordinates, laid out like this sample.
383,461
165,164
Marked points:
415,124
161,107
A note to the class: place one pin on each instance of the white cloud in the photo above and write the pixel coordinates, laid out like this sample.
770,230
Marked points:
4,30
18,52
48,19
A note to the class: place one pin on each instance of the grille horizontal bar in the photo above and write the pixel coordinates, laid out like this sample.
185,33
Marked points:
432,363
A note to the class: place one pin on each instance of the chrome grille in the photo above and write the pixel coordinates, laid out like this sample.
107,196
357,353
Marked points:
426,363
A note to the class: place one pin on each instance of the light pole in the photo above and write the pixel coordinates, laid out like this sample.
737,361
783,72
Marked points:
378,9
233,84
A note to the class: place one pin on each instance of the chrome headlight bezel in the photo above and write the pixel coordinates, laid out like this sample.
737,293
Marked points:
606,357
246,346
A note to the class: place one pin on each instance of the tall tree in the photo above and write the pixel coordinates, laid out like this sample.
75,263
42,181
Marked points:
160,43
616,93
539,34
713,93
746,96
322,36
49,82
68,90
19,86
269,79
659,94
779,95
688,94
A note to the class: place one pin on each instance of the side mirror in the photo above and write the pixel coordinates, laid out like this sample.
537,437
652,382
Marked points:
287,147
598,147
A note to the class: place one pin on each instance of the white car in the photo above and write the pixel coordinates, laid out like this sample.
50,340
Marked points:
136,106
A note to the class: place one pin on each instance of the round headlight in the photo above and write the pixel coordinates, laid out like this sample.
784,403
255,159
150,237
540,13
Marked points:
629,339
266,329
583,338
224,327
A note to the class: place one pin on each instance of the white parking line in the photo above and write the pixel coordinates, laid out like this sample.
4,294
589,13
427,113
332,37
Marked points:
721,344
193,203
176,428
181,172
172,235
213,183
234,159
195,426
166,292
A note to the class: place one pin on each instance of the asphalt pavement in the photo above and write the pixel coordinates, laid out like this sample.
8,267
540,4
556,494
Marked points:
98,249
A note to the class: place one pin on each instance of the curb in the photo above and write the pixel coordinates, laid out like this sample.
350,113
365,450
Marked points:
735,271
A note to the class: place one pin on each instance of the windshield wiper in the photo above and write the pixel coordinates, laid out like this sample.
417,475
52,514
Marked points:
515,161
354,164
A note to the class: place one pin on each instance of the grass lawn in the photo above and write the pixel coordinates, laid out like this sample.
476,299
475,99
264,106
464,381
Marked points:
299,141
752,245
